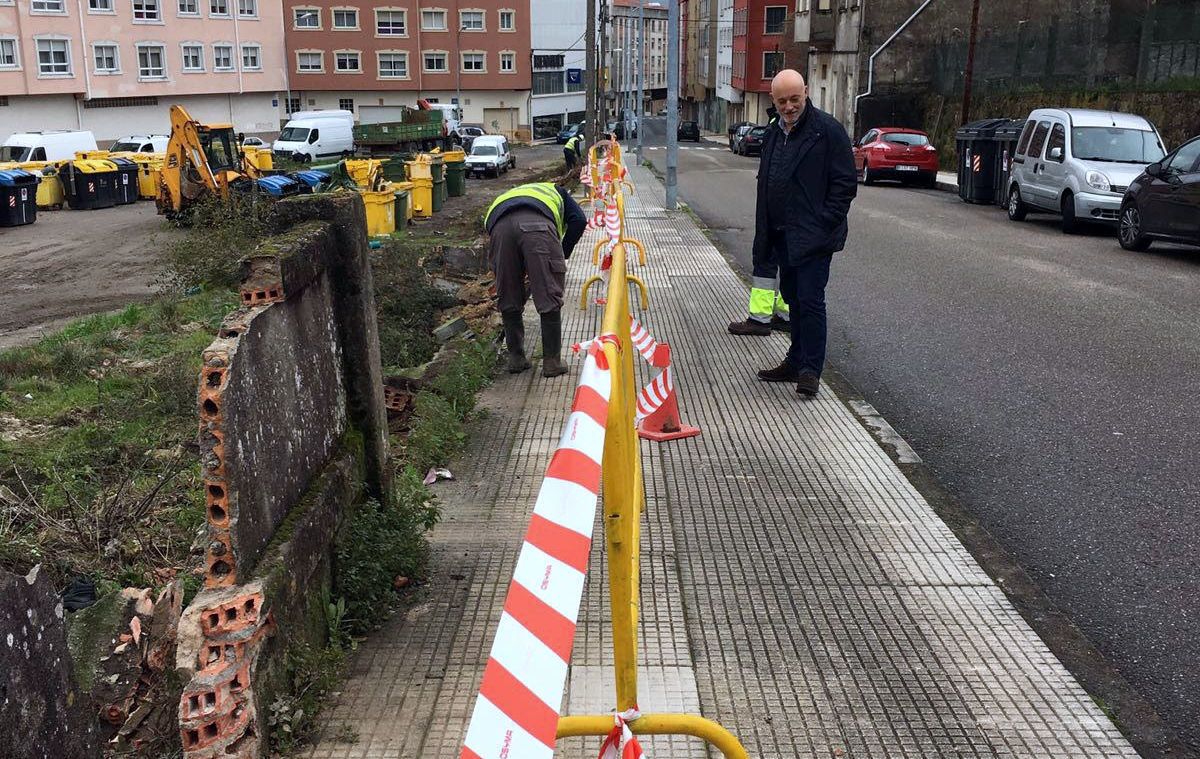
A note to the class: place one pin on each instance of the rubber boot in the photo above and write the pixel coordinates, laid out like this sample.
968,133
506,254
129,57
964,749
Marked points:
514,340
552,365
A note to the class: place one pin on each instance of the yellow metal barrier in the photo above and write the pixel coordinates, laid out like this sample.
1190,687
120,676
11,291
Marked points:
624,495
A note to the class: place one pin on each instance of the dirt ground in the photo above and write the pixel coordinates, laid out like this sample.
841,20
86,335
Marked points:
74,263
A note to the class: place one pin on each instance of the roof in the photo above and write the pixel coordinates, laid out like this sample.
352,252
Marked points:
1083,117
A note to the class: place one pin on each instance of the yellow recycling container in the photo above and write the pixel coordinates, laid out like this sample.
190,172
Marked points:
364,170
50,191
149,168
420,174
381,212
91,155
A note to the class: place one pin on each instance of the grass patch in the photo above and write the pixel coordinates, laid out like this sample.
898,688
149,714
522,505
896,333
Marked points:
407,304
224,233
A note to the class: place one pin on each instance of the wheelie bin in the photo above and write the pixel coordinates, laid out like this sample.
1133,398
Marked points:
89,184
18,197
977,160
1006,137
125,184
456,173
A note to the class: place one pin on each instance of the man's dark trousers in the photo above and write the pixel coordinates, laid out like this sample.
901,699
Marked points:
803,289
571,158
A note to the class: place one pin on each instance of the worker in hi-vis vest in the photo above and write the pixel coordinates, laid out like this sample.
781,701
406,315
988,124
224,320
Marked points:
767,311
572,150
533,229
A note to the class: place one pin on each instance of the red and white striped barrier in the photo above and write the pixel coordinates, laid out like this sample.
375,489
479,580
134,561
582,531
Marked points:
516,712
621,743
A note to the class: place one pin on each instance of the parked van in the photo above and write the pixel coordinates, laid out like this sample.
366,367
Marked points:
316,134
490,155
59,145
141,143
1078,163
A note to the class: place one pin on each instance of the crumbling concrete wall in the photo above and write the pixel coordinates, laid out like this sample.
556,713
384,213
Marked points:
42,711
293,436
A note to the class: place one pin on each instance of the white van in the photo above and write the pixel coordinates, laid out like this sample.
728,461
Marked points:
1078,163
318,134
490,155
60,145
141,143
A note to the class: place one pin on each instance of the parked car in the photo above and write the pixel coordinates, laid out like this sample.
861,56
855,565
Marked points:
617,128
735,139
254,142
465,135
752,141
1163,203
895,153
569,131
58,145
141,143
735,127
688,130
490,155
1078,163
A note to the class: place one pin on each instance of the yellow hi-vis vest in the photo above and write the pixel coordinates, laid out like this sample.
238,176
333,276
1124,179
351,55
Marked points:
545,193
573,144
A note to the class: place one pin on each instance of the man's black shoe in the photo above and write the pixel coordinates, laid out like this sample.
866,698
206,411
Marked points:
780,325
750,327
781,373
808,384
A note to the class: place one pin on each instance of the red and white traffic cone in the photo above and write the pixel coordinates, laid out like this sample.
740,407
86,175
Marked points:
658,404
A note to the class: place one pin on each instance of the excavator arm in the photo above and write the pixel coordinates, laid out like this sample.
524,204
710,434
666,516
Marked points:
187,172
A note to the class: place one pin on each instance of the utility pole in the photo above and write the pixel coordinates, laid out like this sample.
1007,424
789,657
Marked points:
602,95
672,101
589,76
970,72
641,75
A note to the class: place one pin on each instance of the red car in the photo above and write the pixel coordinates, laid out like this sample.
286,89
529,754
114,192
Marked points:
893,153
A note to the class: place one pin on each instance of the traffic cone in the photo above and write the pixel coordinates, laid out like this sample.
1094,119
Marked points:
658,410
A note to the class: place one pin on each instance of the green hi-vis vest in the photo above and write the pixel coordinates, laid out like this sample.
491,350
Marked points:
544,193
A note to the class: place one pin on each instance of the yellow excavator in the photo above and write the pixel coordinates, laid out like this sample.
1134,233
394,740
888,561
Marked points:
203,160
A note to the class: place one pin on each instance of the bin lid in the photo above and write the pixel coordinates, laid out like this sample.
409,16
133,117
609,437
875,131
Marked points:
124,164
455,156
1011,130
16,177
311,177
985,129
93,166
277,184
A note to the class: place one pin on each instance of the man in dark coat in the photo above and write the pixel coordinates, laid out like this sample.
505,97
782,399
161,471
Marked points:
806,181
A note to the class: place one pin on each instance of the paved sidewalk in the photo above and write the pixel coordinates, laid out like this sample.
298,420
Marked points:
795,586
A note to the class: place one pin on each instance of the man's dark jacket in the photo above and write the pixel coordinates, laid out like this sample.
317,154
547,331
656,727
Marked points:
819,187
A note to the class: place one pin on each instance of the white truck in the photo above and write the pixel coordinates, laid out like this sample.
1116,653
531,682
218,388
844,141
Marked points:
316,134
58,145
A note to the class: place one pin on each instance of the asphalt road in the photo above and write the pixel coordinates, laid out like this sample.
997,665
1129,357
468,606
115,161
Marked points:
1048,381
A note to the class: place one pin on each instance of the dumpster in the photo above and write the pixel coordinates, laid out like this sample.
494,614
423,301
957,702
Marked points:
259,158
149,168
125,186
977,160
395,169
91,155
18,197
1006,137
310,180
421,176
89,184
456,173
279,186
381,211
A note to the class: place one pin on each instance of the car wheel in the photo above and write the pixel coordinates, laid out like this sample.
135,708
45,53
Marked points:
1129,229
1070,224
1016,206
929,182
867,178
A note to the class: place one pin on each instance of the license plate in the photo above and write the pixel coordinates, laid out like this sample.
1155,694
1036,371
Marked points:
906,168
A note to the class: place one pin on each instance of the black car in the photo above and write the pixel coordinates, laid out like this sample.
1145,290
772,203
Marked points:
1163,203
688,130
752,141
735,139
617,129
734,128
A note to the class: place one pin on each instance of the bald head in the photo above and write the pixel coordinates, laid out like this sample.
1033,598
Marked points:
789,93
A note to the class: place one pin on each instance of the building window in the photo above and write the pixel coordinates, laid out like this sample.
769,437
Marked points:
772,64
776,19
435,61
306,18
250,58
54,58
248,8
151,62
308,61
389,23
145,10
293,105
346,104
8,53
433,20
508,21
189,7
470,21
345,18
222,57
106,59
193,58
548,82
393,65
508,63
100,6
218,7
347,61
47,6
824,6
548,61
474,62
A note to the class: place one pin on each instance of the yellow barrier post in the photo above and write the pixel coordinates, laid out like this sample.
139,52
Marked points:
625,499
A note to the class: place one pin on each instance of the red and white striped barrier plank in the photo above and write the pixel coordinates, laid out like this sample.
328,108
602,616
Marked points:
516,712
655,394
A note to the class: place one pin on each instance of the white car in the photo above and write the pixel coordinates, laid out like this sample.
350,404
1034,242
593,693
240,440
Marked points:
141,143
490,156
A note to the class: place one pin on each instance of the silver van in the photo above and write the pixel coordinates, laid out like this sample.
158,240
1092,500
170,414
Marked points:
1078,162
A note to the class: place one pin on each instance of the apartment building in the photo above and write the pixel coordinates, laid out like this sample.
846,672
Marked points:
558,31
826,37
626,49
115,66
364,57
761,36
728,96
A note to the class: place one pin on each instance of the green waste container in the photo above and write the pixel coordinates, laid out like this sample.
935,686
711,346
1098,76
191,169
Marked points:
456,176
395,168
401,209
437,165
